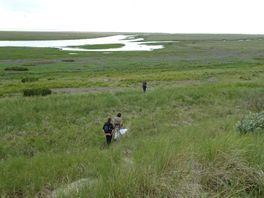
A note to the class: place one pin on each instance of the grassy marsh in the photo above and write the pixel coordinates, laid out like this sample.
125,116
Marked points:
182,140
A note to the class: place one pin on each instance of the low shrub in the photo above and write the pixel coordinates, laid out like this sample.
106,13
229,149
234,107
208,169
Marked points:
37,92
68,60
29,79
16,69
251,123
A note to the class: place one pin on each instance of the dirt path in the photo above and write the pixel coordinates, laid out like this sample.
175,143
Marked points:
136,86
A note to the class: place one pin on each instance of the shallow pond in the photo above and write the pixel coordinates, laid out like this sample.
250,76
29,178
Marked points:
129,41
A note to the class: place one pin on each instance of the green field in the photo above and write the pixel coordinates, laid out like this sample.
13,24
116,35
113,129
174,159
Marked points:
182,139
13,36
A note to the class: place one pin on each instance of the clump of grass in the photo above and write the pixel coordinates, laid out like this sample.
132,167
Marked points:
37,92
255,103
16,69
232,177
68,60
29,79
251,123
244,78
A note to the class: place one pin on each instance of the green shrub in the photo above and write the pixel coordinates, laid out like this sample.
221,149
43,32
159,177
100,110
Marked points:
29,79
251,123
16,69
67,60
37,92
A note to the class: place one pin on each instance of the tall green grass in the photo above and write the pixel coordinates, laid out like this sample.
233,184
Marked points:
182,139
181,142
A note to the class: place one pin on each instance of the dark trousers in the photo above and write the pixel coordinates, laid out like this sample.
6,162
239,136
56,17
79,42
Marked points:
144,88
108,139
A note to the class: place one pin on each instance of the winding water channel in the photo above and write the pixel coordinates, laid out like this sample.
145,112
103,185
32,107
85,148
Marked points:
129,42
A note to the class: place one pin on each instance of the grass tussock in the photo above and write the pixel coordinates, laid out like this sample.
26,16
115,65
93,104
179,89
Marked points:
228,176
16,69
29,79
37,92
68,60
255,103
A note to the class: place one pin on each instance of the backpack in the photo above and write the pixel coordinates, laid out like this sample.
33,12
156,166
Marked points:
107,128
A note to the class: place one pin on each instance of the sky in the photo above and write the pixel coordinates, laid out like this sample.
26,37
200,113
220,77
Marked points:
168,16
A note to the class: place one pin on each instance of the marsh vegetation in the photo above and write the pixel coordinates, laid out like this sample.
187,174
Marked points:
182,139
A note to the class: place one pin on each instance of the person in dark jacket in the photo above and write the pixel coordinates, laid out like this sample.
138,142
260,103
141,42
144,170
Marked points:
144,86
108,129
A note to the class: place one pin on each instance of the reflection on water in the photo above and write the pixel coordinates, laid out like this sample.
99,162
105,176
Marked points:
129,41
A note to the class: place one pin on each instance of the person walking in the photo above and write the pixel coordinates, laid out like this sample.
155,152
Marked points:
144,86
118,125
108,130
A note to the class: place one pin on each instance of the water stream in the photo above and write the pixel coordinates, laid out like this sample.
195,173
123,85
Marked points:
129,41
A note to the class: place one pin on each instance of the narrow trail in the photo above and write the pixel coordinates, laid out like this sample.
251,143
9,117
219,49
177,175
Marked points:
136,86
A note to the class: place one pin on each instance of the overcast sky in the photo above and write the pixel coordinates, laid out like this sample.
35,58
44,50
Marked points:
174,16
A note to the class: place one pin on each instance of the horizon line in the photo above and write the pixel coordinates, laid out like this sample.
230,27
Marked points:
138,32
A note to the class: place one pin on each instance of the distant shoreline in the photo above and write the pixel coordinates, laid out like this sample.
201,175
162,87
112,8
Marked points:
59,35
